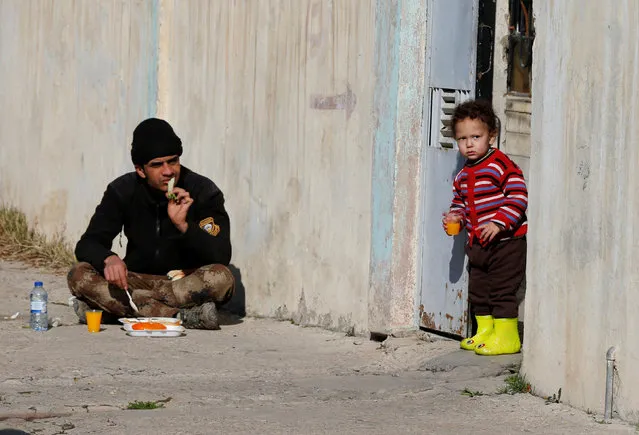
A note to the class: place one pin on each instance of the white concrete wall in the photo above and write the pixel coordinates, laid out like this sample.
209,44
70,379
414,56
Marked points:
243,84
582,275
273,100
75,81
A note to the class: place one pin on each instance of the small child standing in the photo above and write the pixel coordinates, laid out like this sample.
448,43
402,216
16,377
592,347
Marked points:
490,200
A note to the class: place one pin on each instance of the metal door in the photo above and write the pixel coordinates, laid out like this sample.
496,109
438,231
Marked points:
450,79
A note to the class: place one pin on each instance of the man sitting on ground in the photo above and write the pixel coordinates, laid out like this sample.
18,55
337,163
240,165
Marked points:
178,243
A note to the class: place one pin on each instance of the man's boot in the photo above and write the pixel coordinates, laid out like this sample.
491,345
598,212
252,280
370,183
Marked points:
484,330
200,317
505,339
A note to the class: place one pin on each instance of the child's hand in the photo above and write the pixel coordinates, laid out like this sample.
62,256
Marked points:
487,232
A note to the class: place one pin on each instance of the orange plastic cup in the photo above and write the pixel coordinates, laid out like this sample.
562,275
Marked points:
94,318
453,228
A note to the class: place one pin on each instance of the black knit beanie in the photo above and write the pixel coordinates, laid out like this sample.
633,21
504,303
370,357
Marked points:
154,138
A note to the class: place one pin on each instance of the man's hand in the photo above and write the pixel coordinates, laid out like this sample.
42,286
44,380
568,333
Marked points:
115,271
487,232
179,207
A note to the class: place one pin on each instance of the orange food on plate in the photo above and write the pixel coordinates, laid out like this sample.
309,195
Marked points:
148,326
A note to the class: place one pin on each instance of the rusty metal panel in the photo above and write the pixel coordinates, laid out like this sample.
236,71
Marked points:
453,44
444,283
450,65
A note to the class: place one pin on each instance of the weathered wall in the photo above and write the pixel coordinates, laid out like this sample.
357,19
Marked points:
282,103
398,143
76,78
583,244
273,100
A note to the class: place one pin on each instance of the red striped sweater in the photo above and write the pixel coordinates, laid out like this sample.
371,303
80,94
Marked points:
497,194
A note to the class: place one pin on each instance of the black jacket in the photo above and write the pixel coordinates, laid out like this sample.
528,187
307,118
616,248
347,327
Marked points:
154,244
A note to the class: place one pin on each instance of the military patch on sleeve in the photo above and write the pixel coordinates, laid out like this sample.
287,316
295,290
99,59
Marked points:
209,225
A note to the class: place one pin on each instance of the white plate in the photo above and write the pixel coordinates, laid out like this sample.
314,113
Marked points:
129,327
165,334
164,320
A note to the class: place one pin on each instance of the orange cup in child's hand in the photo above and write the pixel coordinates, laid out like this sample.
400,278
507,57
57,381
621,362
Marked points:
94,318
453,228
453,224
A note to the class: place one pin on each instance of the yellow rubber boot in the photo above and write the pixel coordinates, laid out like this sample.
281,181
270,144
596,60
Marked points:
484,330
505,339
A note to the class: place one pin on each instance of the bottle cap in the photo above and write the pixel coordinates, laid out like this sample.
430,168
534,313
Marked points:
38,284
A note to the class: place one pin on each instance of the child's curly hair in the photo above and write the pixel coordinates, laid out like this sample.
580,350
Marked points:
476,109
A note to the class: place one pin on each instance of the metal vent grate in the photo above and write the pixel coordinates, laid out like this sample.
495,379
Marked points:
443,102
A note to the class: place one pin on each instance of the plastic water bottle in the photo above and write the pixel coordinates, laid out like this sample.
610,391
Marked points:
39,320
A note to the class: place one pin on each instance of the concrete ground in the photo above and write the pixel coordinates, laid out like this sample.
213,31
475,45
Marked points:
253,376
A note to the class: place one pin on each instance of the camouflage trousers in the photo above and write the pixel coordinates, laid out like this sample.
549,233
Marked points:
154,295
